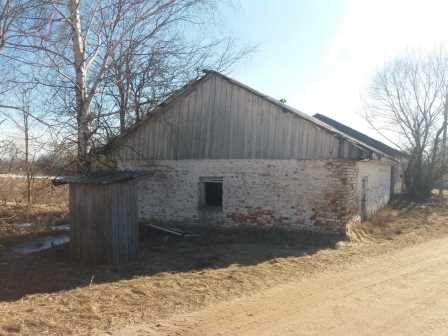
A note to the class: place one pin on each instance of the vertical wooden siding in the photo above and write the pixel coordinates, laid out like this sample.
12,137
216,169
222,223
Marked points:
221,120
104,222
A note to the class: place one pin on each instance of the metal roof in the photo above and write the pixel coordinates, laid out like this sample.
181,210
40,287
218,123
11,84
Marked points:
359,136
98,178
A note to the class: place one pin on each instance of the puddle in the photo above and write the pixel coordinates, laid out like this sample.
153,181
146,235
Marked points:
24,225
63,227
42,243
58,228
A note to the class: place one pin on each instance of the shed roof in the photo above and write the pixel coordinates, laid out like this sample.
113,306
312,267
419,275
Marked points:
98,178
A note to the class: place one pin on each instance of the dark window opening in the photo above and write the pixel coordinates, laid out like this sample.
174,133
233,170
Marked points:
210,193
213,194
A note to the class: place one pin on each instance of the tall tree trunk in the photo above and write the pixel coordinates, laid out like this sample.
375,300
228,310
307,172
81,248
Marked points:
122,120
123,108
443,149
417,181
27,156
82,102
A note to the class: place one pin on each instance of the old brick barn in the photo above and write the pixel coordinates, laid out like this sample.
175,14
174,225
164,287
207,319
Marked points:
220,153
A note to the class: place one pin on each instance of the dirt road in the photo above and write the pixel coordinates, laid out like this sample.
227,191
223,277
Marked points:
401,293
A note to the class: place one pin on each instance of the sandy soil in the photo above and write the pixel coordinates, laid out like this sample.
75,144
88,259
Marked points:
402,293
45,294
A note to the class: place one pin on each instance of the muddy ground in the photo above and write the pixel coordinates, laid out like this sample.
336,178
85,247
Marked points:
19,224
43,293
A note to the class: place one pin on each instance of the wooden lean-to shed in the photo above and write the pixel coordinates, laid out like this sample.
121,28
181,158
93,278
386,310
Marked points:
103,217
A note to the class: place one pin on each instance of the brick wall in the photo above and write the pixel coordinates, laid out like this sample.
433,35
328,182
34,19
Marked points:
378,175
298,194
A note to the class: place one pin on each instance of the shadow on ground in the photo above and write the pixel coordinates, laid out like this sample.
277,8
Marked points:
51,271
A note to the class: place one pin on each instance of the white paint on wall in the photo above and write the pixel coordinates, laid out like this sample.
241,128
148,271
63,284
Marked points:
378,174
299,194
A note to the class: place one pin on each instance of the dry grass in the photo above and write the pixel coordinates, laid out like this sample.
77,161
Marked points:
405,220
41,217
44,294
13,190
49,206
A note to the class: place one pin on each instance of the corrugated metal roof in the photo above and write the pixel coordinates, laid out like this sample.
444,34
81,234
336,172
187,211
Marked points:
359,136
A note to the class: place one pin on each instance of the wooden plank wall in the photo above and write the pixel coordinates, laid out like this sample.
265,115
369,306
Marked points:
104,222
221,120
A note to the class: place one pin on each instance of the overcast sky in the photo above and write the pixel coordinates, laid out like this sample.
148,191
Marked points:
320,54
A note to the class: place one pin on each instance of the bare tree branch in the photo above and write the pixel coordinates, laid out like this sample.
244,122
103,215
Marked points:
407,100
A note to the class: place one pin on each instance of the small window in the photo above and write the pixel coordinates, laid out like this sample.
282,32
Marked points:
211,192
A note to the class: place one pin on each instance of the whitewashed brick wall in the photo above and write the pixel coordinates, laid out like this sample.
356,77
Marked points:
378,175
300,194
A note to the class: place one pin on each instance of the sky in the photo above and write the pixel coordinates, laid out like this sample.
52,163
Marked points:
320,55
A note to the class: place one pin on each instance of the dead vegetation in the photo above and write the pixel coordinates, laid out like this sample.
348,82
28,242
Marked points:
406,219
18,223
13,190
43,293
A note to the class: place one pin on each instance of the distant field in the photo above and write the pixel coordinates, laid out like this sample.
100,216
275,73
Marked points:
13,190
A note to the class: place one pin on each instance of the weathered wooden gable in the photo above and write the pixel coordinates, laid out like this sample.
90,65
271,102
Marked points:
216,118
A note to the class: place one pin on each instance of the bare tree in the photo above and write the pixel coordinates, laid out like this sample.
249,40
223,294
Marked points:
443,165
15,22
407,103
10,11
106,58
12,23
30,140
8,155
145,71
